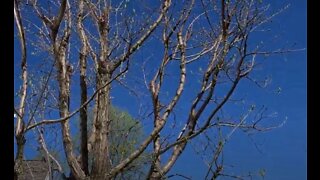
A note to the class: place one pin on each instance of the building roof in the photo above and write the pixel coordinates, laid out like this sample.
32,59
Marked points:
35,170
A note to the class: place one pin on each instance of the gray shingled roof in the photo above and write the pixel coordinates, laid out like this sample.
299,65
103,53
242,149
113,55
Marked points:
35,170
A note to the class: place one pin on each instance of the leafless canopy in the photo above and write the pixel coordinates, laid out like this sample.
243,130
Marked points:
168,55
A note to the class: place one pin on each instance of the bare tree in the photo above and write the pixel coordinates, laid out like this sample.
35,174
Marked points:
204,50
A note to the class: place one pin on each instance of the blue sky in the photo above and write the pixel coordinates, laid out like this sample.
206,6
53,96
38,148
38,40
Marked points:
282,151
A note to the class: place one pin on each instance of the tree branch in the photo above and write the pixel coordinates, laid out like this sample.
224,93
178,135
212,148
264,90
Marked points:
134,47
76,111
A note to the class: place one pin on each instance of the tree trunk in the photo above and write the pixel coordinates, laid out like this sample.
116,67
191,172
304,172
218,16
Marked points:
64,73
83,117
101,160
19,157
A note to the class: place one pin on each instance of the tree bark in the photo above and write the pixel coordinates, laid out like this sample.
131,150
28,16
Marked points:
19,157
83,89
101,160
